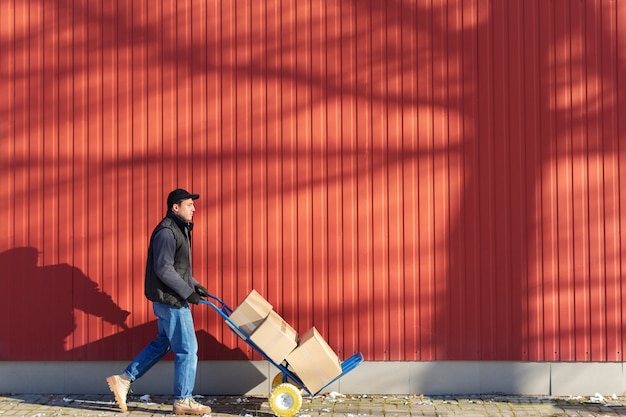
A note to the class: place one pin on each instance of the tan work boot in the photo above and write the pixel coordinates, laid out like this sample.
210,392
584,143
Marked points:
190,406
119,386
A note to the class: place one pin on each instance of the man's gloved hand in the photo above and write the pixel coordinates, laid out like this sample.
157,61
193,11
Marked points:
194,298
202,291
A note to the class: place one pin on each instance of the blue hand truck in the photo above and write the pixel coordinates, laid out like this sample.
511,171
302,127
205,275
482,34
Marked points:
286,397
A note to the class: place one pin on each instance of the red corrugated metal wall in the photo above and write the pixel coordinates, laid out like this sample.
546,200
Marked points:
419,179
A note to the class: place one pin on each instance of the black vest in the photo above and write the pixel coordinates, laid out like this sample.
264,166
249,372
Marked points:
155,289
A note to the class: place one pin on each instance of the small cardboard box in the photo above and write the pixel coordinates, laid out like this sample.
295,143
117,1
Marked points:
275,337
314,361
251,312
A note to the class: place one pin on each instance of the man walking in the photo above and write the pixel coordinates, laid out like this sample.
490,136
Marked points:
171,287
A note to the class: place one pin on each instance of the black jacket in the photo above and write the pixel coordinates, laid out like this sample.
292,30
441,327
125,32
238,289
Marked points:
168,268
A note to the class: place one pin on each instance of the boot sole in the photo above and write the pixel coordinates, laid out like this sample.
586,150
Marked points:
187,411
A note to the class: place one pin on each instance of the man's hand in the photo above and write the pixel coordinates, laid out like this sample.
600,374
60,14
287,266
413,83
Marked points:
202,291
194,298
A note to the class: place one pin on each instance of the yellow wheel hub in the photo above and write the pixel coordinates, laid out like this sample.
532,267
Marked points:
285,400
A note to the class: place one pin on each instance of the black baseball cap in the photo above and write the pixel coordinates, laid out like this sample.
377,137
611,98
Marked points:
180,194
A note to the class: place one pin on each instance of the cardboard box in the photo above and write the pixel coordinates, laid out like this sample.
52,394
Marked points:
314,361
275,337
251,312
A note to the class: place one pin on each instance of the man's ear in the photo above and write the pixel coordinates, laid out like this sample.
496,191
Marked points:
175,208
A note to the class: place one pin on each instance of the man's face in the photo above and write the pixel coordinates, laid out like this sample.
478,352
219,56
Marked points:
185,209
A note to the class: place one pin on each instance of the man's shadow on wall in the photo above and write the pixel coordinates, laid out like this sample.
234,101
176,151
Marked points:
37,310
37,315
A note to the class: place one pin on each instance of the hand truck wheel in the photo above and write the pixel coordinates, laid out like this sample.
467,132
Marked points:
285,400
278,379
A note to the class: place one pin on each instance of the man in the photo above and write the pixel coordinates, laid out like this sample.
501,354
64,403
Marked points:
170,285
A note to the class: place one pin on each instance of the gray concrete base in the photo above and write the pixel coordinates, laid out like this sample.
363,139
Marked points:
254,378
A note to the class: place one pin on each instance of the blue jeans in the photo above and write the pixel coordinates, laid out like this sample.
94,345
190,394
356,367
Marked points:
176,332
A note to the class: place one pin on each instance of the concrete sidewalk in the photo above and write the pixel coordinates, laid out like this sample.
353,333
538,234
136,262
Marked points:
36,405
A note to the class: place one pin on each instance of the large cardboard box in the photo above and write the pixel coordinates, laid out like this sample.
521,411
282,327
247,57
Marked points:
314,361
275,337
251,312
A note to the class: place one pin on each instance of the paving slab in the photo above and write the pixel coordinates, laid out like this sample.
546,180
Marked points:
329,405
